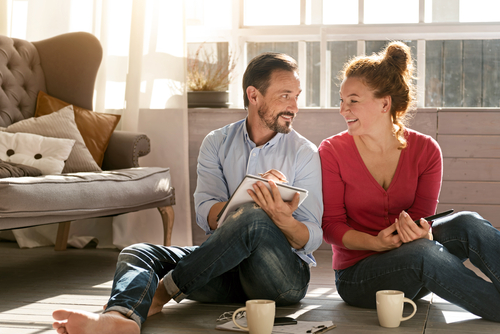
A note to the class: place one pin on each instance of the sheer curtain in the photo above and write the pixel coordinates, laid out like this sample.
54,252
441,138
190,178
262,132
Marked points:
142,78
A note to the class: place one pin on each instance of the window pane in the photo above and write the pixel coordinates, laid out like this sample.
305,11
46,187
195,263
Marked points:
209,13
271,12
255,49
462,73
340,53
391,11
312,89
340,11
479,10
213,58
377,46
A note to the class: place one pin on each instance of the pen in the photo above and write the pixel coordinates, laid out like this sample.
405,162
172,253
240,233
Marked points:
315,327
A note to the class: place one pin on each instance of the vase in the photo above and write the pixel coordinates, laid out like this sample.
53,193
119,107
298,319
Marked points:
208,99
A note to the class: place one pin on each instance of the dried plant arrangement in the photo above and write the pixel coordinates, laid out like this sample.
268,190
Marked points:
208,72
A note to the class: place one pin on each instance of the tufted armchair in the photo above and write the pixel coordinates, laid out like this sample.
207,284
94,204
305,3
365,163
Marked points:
64,68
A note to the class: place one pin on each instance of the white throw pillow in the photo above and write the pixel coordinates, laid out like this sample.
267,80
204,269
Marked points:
45,153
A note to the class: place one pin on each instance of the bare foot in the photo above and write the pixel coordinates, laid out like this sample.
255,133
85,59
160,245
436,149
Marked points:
81,322
160,298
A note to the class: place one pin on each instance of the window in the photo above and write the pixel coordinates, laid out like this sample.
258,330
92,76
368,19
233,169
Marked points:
456,62
462,73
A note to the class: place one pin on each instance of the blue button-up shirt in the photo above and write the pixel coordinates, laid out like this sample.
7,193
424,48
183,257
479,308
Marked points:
228,154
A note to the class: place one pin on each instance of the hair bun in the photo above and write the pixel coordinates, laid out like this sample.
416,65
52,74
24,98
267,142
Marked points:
399,54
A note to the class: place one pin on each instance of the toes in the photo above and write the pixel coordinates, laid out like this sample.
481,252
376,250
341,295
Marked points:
61,314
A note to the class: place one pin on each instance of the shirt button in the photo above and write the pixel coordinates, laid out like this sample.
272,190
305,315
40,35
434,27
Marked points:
254,154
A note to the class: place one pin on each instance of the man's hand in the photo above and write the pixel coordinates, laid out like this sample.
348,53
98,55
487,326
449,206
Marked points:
275,175
272,203
281,212
408,231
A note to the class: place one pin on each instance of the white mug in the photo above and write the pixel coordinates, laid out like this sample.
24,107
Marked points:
260,316
390,305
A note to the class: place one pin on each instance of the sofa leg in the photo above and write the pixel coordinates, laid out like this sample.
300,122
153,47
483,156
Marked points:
167,215
62,236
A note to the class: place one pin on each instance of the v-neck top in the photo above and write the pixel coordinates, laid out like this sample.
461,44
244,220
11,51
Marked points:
353,199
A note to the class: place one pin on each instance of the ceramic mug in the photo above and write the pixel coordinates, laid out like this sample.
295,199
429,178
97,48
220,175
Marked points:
390,305
260,316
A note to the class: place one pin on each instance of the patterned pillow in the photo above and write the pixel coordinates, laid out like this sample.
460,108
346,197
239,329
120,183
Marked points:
96,128
60,124
45,153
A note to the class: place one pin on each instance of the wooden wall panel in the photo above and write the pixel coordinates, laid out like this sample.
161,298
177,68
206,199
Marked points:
317,124
469,122
470,192
472,146
424,121
467,169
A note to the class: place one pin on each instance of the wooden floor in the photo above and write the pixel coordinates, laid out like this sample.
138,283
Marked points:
35,282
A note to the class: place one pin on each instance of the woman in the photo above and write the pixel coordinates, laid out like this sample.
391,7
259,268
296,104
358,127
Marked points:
378,177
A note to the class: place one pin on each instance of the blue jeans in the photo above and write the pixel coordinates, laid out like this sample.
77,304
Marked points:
437,266
246,258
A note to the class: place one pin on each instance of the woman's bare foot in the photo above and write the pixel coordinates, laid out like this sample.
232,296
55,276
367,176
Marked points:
160,298
81,322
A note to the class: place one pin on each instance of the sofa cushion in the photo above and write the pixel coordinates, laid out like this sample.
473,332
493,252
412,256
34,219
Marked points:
45,153
60,124
59,198
95,128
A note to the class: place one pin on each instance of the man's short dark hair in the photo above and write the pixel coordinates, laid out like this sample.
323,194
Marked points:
260,68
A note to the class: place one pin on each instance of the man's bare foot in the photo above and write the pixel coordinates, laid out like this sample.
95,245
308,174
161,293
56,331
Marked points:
81,322
160,298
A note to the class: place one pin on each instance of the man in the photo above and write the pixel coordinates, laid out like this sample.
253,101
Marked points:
263,250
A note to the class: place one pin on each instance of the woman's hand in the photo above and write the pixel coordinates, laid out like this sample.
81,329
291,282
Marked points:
409,231
387,240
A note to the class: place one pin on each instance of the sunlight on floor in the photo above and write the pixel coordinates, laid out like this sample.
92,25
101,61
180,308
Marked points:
303,311
318,292
457,316
105,285
328,292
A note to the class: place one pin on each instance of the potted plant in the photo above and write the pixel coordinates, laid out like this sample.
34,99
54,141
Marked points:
209,76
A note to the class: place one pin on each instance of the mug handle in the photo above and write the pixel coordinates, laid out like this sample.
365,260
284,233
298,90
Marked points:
243,309
407,300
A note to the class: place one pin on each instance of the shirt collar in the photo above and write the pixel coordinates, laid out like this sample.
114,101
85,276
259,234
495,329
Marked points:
270,143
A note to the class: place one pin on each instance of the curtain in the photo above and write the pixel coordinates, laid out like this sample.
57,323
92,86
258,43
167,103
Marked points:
142,78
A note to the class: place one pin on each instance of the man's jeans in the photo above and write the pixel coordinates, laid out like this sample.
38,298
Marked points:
247,258
437,266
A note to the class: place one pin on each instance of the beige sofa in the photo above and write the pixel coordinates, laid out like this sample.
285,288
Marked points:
46,91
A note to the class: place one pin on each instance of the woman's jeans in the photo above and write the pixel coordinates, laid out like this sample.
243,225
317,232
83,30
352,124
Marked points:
246,258
437,266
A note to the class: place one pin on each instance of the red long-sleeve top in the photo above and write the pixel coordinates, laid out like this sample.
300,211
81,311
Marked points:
353,199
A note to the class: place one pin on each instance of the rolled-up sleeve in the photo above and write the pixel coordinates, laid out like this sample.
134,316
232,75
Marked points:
211,186
311,210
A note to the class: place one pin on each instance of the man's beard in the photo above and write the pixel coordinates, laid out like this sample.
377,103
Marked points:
273,123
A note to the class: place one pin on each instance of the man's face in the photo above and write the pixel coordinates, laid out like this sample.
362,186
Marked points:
279,105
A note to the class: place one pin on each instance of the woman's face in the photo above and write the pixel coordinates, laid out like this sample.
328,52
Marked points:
362,111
